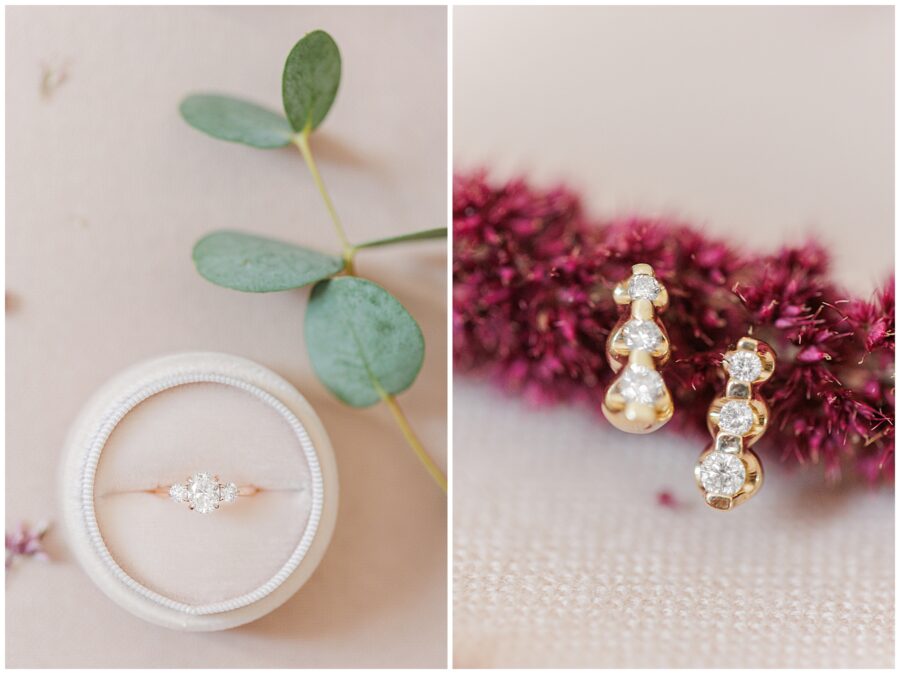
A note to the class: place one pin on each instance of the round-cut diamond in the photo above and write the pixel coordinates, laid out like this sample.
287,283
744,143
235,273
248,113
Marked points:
203,490
229,492
643,287
736,417
722,474
641,384
744,365
642,335
178,492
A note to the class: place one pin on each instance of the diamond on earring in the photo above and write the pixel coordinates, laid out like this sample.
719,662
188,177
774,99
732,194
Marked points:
643,287
638,401
736,417
722,474
728,472
642,335
641,384
743,366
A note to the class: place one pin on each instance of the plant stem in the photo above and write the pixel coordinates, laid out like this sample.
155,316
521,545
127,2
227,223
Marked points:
413,441
301,140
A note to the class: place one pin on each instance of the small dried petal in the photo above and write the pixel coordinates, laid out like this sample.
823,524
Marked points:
25,541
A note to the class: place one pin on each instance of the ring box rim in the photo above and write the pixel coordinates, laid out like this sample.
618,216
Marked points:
70,486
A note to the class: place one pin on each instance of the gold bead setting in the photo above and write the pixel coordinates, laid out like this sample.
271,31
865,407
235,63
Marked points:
638,400
729,472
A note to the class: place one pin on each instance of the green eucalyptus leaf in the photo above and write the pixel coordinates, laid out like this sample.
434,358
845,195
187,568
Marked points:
235,120
361,341
310,80
258,265
437,233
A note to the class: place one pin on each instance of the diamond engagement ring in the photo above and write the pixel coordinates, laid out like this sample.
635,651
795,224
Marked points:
203,492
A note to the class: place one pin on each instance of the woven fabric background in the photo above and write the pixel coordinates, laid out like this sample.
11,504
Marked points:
564,558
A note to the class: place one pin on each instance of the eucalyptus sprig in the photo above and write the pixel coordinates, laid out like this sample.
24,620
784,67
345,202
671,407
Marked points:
364,345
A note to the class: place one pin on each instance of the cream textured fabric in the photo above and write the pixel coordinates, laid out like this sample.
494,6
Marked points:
562,556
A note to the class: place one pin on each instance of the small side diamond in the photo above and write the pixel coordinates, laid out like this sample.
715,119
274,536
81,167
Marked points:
722,474
743,365
229,492
643,287
641,385
642,335
179,493
736,417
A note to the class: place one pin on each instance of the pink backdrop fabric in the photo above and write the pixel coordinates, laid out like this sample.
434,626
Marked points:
108,189
765,125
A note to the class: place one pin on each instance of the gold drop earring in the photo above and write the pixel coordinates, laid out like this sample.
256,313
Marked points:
638,401
729,472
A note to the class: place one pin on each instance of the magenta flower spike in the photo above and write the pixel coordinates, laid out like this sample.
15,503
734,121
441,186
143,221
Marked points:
532,309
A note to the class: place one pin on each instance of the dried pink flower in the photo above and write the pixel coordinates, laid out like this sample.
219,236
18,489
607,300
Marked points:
532,308
26,542
666,499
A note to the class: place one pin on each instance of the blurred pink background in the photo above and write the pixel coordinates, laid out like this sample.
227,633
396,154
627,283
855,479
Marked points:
108,189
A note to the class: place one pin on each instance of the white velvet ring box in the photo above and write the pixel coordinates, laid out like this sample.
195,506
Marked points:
158,423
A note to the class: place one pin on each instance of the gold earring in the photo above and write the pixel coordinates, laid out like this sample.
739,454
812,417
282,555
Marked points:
729,472
638,401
